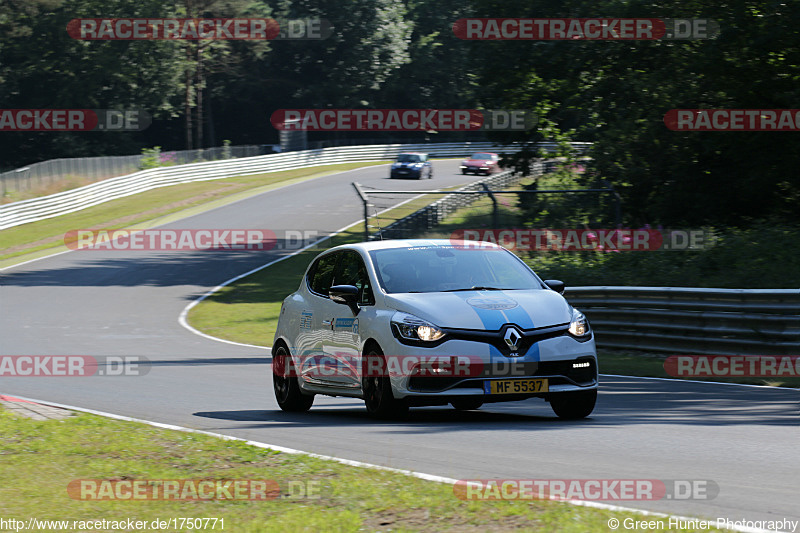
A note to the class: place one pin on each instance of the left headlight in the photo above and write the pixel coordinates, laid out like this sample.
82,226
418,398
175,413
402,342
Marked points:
579,326
413,328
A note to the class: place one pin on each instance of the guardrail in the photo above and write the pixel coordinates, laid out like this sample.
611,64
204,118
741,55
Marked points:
58,204
693,320
94,169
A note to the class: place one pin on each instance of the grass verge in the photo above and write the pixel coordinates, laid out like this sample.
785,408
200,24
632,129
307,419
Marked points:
40,459
150,208
765,255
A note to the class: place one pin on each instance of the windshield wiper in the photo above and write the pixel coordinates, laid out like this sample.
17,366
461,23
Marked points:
478,288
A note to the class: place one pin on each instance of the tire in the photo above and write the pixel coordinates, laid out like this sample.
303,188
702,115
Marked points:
287,391
464,172
378,397
467,404
573,405
430,174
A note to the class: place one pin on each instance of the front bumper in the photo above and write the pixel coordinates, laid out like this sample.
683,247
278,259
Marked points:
550,358
406,173
476,168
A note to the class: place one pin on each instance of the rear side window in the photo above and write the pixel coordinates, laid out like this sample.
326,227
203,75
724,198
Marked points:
321,274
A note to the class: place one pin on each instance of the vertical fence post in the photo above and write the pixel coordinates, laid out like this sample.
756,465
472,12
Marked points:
495,214
365,201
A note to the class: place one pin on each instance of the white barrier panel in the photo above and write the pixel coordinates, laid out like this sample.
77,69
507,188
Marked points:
62,203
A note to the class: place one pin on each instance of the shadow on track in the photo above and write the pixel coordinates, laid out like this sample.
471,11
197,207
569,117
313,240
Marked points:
622,401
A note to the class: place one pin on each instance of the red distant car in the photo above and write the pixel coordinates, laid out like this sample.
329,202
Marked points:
481,163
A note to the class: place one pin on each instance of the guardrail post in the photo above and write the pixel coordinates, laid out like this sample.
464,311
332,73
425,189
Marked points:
494,205
365,201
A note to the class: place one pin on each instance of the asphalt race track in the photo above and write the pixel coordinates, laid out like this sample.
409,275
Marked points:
101,303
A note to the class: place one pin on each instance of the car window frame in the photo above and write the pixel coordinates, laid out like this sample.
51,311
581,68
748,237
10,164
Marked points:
338,268
313,270
381,284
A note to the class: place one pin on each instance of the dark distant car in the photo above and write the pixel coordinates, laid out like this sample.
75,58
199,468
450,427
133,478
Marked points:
412,165
481,163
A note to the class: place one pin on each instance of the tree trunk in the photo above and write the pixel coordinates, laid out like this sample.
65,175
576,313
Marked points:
199,83
187,109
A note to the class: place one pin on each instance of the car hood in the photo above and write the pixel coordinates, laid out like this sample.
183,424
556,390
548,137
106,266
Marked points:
485,310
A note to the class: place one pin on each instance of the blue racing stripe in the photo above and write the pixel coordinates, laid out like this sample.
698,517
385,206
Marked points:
491,320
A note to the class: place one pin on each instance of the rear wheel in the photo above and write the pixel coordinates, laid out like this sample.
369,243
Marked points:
377,387
467,404
573,405
284,381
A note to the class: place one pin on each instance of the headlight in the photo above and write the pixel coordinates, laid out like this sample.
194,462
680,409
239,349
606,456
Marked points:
414,328
579,326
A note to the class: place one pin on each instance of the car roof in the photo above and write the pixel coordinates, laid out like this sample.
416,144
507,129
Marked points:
413,153
490,153
410,243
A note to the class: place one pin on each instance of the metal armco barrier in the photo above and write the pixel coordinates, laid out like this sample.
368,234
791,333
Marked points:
692,320
54,205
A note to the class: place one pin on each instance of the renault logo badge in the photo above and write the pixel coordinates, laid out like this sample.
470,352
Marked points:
512,338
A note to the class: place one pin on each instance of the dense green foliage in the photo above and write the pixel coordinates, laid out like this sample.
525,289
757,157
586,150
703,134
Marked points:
404,54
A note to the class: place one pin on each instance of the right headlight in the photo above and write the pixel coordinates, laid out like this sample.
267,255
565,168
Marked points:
412,328
579,325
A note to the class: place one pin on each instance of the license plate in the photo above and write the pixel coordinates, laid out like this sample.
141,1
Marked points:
514,386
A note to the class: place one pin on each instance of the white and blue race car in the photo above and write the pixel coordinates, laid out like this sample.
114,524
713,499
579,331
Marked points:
431,322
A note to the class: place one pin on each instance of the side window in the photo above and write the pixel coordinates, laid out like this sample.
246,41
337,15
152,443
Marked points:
320,276
352,271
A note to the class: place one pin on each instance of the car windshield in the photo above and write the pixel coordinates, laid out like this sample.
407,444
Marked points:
481,156
451,268
408,158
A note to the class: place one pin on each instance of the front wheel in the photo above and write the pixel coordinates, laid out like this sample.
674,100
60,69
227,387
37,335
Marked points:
377,386
573,405
284,380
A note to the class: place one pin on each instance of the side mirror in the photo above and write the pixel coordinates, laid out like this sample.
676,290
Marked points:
556,285
345,295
